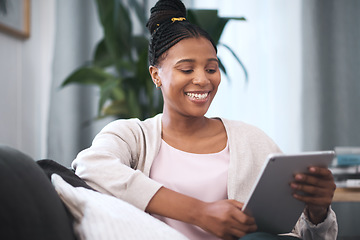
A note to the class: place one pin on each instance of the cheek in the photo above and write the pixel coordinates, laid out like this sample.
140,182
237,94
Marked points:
170,86
172,81
165,78
217,80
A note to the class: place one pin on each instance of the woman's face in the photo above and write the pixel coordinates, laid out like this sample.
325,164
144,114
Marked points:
189,76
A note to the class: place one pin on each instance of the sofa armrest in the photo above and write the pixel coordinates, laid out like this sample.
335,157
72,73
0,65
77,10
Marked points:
29,205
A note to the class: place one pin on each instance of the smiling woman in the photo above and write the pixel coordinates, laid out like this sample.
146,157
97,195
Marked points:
190,171
189,76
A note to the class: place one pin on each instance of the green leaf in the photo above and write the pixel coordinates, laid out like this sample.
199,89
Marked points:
105,9
210,21
118,93
142,70
123,28
102,58
141,13
141,44
236,18
117,28
106,90
87,75
133,104
126,67
222,67
116,108
238,60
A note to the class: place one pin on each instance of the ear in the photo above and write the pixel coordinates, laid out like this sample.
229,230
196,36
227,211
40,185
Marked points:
154,73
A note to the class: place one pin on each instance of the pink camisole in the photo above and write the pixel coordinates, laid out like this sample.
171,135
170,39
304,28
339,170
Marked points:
202,176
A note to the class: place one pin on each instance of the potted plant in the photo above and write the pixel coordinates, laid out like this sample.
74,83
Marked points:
120,63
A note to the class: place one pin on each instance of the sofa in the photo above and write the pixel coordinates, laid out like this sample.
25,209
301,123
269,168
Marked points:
44,200
30,208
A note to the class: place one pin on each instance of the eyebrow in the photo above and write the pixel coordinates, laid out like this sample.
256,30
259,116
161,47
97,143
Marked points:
192,60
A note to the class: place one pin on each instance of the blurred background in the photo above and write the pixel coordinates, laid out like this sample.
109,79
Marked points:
301,58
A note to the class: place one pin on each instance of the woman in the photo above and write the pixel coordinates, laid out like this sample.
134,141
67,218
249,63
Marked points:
188,170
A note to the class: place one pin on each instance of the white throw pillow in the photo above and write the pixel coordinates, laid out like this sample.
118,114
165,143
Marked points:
99,216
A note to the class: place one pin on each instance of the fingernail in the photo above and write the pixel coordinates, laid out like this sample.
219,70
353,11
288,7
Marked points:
298,177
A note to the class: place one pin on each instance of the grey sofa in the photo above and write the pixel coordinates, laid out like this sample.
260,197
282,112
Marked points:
29,205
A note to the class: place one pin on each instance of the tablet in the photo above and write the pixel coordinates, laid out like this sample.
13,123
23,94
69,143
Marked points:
271,202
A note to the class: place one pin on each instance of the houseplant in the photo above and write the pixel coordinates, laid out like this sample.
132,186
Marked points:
120,63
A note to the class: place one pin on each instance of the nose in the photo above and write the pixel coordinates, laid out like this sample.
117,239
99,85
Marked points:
201,78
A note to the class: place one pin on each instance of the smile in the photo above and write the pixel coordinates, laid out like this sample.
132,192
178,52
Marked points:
198,96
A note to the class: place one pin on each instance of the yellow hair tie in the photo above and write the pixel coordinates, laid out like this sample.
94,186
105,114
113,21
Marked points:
178,19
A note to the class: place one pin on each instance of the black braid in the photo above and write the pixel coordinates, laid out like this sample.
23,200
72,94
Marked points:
165,33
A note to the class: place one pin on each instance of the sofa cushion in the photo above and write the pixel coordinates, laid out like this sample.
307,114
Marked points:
29,205
103,217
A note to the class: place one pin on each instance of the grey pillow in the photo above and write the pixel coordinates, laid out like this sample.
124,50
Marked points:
29,205
50,167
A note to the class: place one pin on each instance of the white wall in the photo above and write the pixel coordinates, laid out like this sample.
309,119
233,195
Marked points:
269,44
25,77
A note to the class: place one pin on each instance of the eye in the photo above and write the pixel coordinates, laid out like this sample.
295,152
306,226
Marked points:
188,71
211,71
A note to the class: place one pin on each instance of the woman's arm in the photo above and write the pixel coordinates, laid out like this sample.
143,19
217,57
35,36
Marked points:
222,218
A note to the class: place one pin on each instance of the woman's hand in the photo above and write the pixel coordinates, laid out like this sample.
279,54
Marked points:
222,218
225,220
319,187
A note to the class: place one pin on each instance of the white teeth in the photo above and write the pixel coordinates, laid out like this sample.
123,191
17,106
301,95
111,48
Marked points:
198,95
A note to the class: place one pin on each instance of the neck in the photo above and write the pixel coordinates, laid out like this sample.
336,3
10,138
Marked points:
182,125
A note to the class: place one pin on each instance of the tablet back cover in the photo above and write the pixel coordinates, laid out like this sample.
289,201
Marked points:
271,203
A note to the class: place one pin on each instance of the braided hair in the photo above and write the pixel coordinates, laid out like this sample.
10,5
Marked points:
168,25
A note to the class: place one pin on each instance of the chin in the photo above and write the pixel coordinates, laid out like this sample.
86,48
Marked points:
197,114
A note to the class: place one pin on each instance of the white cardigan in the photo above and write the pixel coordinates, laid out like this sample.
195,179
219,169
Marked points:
119,161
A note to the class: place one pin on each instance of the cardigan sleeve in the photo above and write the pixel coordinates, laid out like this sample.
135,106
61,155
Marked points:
326,230
109,165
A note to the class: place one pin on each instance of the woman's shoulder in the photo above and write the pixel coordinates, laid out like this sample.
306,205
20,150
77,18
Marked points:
240,131
132,132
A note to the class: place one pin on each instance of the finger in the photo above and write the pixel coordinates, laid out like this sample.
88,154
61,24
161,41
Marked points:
239,216
310,180
235,229
237,204
243,219
313,190
321,171
316,180
242,232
